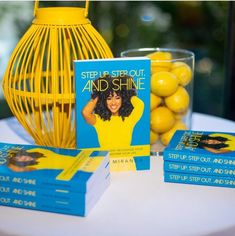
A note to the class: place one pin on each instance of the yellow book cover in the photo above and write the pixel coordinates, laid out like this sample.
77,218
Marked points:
46,167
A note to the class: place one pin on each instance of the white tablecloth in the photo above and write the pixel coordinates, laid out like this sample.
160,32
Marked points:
136,203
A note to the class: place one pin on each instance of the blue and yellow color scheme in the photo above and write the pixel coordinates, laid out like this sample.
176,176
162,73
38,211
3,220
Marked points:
208,180
122,127
201,158
76,204
47,167
197,168
207,148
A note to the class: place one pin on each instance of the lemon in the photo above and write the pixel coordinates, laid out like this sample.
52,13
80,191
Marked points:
161,119
166,137
179,101
160,59
166,56
183,72
155,101
164,83
153,137
155,69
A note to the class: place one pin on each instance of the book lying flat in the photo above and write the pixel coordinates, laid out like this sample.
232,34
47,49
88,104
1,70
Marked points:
20,191
195,179
208,148
71,207
201,169
47,167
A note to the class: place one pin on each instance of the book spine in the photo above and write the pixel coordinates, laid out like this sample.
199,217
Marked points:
207,159
24,191
199,169
199,179
37,204
33,181
54,205
53,193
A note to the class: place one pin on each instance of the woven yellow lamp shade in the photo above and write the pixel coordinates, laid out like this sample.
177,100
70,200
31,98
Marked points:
39,81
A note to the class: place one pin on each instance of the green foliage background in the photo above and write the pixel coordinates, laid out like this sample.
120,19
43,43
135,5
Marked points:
197,26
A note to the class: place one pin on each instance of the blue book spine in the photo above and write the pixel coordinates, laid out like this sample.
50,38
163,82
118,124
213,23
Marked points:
199,179
206,159
73,207
56,206
34,193
19,190
199,169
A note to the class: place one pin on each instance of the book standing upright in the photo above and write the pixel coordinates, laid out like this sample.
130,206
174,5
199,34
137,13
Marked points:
113,110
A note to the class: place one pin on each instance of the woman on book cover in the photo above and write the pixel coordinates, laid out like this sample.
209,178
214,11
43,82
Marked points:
40,158
218,143
21,160
113,110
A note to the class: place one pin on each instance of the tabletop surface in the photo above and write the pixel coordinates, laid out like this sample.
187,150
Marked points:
136,203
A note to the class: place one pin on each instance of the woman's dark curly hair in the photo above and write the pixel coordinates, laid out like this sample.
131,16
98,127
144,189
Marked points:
15,154
202,144
108,89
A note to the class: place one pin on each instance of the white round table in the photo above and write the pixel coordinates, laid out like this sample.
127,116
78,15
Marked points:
136,203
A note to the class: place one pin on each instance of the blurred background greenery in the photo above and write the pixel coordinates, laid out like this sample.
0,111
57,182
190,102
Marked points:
201,27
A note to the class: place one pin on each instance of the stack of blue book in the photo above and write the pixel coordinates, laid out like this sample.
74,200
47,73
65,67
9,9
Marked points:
202,158
52,179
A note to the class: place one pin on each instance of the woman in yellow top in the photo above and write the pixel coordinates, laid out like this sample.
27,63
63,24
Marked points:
114,110
218,143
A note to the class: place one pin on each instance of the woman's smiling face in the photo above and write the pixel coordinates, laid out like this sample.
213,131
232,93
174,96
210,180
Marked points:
114,103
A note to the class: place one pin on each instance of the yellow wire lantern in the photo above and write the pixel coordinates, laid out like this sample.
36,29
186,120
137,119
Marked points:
39,81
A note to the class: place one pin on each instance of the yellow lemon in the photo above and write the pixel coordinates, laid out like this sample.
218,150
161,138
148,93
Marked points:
161,119
153,137
179,101
166,137
164,83
161,56
155,101
183,72
160,59
155,69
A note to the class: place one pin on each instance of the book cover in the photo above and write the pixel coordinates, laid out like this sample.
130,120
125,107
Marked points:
195,179
113,110
201,169
72,207
68,169
210,148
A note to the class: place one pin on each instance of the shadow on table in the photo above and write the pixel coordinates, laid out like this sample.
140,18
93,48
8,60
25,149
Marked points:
225,232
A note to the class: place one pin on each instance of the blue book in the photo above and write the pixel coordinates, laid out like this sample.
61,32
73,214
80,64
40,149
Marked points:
72,207
46,167
197,168
50,193
208,180
209,148
113,110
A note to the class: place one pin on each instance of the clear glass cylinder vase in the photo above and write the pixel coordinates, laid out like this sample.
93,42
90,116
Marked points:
171,95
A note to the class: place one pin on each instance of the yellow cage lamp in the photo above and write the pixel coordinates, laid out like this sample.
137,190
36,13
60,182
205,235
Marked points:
39,81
